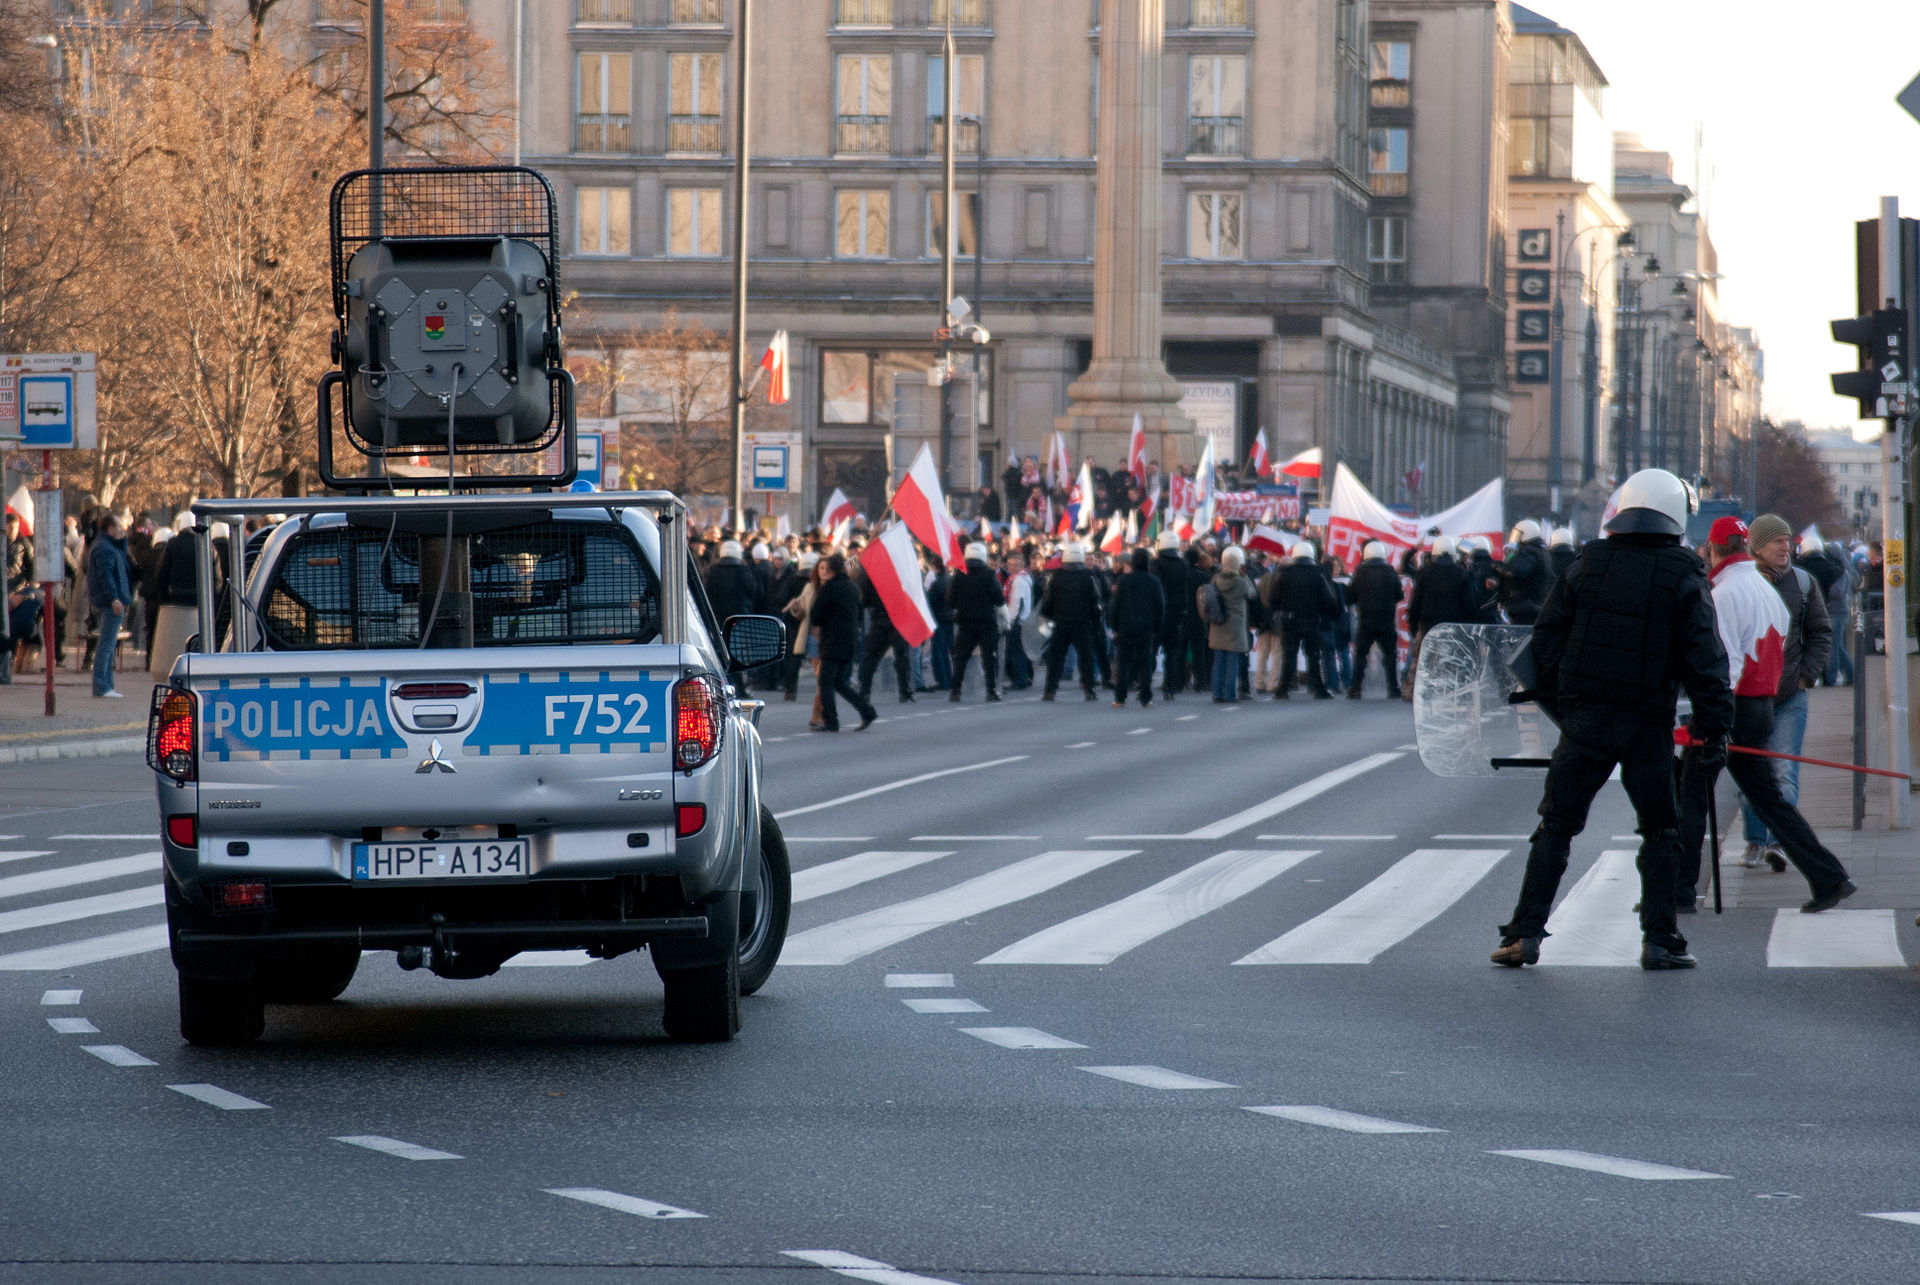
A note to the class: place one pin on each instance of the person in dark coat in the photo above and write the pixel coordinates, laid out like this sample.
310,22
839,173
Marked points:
1176,587
1072,603
973,600
110,590
990,505
1139,616
836,614
940,648
1303,602
1560,551
1483,583
1376,595
1200,569
1527,573
733,587
882,637
1439,598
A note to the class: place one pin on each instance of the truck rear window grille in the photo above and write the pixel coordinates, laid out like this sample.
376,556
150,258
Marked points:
554,582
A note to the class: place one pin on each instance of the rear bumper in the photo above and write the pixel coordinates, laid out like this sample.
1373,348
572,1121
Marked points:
559,935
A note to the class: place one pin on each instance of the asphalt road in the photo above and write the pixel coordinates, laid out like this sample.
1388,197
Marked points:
1179,994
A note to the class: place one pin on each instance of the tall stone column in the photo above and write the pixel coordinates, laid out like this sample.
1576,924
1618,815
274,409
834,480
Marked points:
1127,376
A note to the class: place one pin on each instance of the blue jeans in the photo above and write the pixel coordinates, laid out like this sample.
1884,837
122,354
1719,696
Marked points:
104,649
1226,675
1789,735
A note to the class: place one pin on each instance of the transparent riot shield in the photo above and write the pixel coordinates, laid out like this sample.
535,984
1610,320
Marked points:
1463,718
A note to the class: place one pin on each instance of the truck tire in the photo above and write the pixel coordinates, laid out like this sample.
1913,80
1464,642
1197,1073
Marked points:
764,915
316,977
221,1014
703,1002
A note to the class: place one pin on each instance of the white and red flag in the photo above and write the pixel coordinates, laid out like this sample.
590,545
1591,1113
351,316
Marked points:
1137,453
923,508
20,504
1206,487
775,366
1133,528
893,569
841,532
1262,463
1305,464
839,509
1267,539
1152,504
1059,463
1116,537
1080,500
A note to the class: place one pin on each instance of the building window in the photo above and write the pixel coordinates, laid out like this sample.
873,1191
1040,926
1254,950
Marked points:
1387,249
865,105
694,223
1213,225
863,13
587,13
1218,13
440,10
1216,105
971,92
605,222
338,13
861,229
702,13
966,246
856,384
1391,64
605,121
1387,161
177,11
966,13
694,122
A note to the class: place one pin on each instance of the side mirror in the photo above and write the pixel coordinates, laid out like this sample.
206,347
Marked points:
753,641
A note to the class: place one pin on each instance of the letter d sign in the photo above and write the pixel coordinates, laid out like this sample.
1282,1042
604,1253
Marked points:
1536,244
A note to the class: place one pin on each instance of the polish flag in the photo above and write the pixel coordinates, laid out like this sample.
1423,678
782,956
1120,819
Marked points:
1262,463
20,504
1116,539
1083,497
775,366
1205,488
1305,464
842,531
893,569
1183,526
1013,529
923,508
1059,463
1266,539
1137,453
839,509
1066,523
1133,528
1152,505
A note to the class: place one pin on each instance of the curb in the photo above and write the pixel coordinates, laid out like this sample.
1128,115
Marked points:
72,749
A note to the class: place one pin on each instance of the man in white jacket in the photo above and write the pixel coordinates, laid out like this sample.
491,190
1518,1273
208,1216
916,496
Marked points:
1753,625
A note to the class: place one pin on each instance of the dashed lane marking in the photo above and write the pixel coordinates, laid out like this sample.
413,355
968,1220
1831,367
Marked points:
118,1055
1186,718
942,1005
918,981
91,950
395,1147
1155,1077
72,1026
1348,1121
61,912
1910,1217
148,837
973,838
861,1269
1139,731
215,1096
1018,1037
1415,891
895,785
1082,745
622,1203
53,999
1325,838
843,838
1481,838
861,867
1616,1166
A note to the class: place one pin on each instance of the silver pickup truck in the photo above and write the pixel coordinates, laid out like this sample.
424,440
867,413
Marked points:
458,728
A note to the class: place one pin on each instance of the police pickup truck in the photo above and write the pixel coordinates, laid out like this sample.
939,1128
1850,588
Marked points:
457,728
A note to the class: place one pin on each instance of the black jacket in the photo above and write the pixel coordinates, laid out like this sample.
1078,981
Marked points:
1439,595
1139,605
938,599
1072,597
1629,626
784,588
1376,592
1303,597
1529,574
1483,588
1562,557
1170,569
734,589
973,595
836,614
1810,637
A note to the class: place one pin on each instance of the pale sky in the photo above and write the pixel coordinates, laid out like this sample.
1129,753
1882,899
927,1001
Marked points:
1802,138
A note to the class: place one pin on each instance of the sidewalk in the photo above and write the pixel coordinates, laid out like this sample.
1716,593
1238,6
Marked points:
82,726
1885,863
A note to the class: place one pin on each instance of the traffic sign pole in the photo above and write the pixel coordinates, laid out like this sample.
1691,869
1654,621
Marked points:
1893,532
47,483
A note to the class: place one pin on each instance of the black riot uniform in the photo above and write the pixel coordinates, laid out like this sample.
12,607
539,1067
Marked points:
1072,603
974,595
1629,626
1528,574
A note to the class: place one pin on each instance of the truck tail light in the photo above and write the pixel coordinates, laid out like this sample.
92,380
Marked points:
689,818
699,711
173,732
236,897
183,831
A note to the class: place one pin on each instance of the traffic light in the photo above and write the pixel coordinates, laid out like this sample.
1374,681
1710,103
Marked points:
1881,338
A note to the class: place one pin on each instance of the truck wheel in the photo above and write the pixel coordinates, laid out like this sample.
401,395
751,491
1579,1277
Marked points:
218,1013
763,915
317,977
703,1002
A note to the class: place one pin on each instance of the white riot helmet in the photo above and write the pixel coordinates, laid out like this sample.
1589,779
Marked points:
1233,557
1444,546
729,548
1523,530
1562,538
1651,502
1374,549
975,552
1168,542
1810,545
1305,550
1073,552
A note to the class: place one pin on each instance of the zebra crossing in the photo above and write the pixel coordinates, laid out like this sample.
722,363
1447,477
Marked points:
54,915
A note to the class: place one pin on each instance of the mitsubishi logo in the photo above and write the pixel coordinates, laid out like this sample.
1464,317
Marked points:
436,757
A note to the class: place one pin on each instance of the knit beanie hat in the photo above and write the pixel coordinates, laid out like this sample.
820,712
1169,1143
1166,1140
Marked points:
1767,528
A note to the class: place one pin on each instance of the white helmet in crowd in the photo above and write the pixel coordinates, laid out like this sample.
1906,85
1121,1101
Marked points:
1651,502
1443,547
1305,551
1233,557
1374,549
1073,552
1169,542
760,553
729,548
1562,538
1811,545
1523,530
976,552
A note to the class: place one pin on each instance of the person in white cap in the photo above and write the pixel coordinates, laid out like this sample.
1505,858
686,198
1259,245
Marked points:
1526,572
1177,583
1440,596
1072,602
974,595
1376,596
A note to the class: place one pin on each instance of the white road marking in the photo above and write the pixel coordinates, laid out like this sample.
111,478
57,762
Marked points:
1103,935
395,1147
88,872
1617,1166
60,912
1155,1077
856,838
549,959
918,981
846,940
1140,731
861,1269
1082,745
1908,1217
118,1055
838,876
1279,803
23,856
1615,774
1481,838
215,1096
1594,925
1413,892
53,998
896,785
973,838
1329,1118
1186,718
148,837
621,1204
1325,838
91,950
1836,939
72,1026
1018,1037
941,1005
1626,838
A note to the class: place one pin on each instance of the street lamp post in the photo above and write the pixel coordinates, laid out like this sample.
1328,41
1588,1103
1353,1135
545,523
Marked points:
979,241
1556,466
